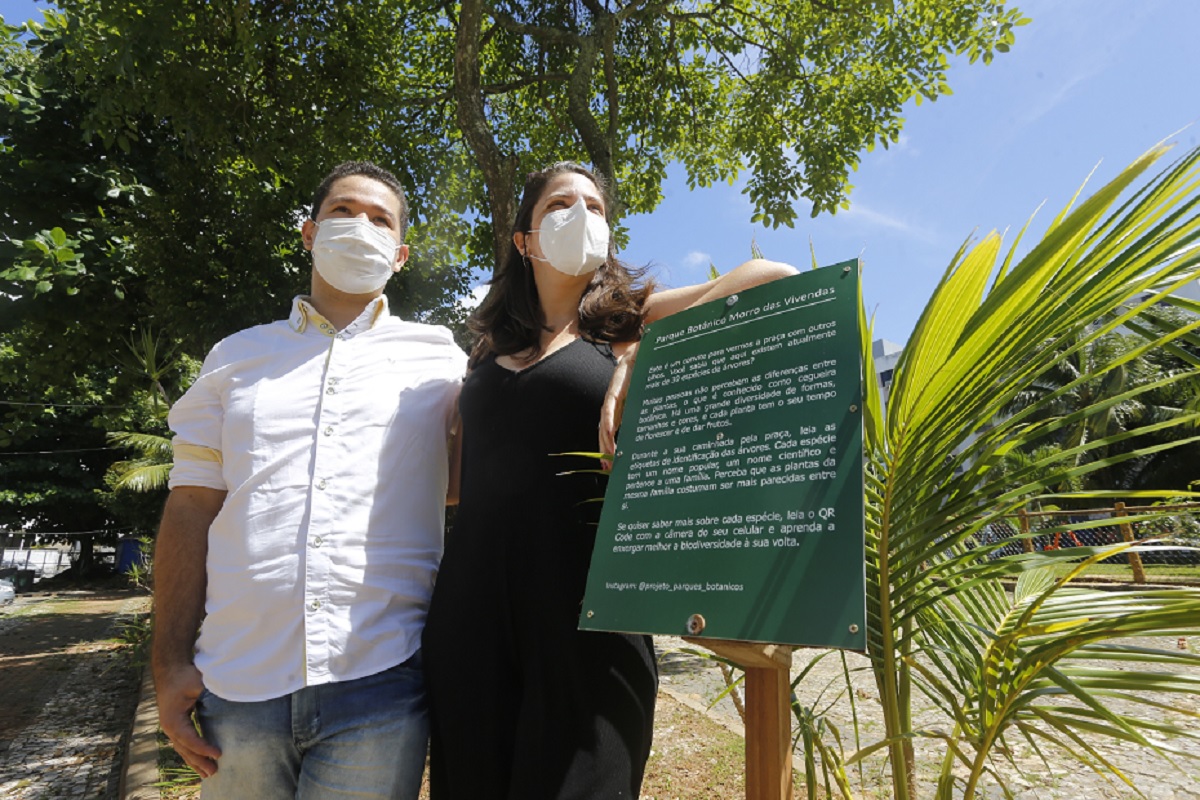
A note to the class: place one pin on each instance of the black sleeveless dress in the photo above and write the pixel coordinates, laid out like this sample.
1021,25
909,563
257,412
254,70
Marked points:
523,705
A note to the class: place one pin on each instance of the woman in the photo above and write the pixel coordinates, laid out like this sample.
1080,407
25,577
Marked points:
522,704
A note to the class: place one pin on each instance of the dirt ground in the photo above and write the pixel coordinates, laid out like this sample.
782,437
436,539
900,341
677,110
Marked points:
69,689
37,651
693,758
66,676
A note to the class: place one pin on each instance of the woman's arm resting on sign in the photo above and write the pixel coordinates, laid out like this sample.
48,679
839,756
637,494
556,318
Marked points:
754,272
663,304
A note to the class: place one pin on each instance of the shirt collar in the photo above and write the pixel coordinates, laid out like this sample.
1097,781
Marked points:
304,314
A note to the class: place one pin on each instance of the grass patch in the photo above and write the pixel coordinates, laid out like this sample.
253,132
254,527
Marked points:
54,605
692,757
176,780
1161,573
695,758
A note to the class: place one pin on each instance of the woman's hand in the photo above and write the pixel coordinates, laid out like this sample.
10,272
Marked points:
614,403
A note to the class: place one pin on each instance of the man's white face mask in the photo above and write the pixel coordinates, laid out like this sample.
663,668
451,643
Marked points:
353,255
574,239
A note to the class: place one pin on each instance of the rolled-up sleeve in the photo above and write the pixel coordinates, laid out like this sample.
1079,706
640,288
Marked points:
196,419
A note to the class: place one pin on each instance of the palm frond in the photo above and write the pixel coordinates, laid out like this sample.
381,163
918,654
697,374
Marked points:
940,466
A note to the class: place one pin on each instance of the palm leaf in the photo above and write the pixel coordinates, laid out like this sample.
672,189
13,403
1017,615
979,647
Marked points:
939,619
148,445
150,470
140,476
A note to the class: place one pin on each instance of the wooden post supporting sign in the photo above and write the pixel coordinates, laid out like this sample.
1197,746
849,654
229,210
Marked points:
768,714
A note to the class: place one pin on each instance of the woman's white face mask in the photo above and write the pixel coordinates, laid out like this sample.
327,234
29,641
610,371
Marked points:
353,255
574,240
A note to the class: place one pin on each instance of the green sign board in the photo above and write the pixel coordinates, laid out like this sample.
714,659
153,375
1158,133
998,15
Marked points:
735,505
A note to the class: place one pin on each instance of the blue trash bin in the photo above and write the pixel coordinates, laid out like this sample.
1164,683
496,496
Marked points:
129,554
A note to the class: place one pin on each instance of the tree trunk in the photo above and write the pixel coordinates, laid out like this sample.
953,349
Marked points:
87,557
498,169
579,93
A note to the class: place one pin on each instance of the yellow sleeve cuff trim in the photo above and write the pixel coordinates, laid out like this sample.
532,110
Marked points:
195,452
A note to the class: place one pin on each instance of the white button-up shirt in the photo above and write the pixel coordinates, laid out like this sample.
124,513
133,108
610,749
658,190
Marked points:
332,446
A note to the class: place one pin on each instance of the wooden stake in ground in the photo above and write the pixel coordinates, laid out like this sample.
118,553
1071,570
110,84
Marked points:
768,714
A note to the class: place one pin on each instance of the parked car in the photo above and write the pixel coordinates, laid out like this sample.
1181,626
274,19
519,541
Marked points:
8,592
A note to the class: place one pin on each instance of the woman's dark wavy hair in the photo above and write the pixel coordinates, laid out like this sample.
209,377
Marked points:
510,318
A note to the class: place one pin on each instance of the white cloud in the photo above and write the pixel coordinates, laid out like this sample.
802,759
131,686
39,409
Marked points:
697,259
876,218
1039,106
879,219
472,300
901,148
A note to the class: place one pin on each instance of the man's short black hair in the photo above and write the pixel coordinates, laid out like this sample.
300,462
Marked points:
368,170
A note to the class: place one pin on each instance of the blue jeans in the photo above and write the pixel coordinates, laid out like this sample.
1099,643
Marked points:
364,739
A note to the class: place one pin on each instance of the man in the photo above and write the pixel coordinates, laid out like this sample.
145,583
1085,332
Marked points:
304,527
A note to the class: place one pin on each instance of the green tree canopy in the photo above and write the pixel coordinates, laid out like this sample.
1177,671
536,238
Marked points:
790,92
462,99
156,157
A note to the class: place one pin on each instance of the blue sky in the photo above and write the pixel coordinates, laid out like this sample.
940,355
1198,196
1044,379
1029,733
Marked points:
1088,84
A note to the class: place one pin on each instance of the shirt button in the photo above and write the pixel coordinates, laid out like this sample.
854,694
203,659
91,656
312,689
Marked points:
321,484
318,541
314,605
333,381
329,430
330,390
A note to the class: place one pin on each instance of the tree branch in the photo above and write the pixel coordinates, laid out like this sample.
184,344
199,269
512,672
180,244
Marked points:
710,17
611,87
538,32
498,169
546,77
579,92
638,6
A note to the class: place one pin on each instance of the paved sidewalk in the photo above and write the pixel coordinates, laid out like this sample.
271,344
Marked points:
69,694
